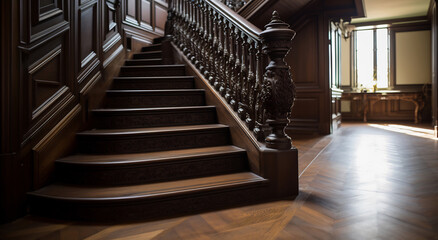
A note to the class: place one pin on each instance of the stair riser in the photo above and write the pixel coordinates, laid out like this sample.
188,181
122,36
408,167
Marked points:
144,101
151,48
147,210
119,144
153,84
151,72
147,173
143,62
158,40
130,120
147,55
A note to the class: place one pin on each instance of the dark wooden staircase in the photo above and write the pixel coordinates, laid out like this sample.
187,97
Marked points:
156,151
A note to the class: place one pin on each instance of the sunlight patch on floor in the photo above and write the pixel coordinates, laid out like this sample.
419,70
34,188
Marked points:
413,131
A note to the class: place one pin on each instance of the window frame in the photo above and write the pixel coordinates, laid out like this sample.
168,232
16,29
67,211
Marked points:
355,84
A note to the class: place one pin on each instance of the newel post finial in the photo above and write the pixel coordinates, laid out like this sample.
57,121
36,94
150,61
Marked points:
278,88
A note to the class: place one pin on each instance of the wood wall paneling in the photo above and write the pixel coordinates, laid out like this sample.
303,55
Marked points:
305,69
59,140
434,18
308,59
305,115
146,13
46,17
112,33
88,41
160,16
144,20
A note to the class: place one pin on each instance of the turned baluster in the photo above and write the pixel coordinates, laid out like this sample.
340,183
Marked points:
259,111
230,64
203,59
221,55
216,56
243,104
278,87
197,28
250,118
190,31
211,50
226,61
238,73
180,24
206,46
199,34
186,27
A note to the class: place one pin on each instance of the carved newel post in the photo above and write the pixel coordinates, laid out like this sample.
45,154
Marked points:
278,87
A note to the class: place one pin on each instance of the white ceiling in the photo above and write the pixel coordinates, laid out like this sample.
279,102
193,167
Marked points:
377,10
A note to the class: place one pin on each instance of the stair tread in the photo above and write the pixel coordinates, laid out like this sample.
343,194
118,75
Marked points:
153,45
157,51
133,158
143,60
156,77
154,90
158,109
156,66
151,130
147,191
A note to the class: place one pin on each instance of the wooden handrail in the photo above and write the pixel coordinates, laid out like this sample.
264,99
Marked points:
233,55
236,19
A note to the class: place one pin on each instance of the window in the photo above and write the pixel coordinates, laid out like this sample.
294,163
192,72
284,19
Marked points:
335,56
371,57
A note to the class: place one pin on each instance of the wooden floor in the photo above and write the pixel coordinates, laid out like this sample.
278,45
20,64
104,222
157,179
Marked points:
369,182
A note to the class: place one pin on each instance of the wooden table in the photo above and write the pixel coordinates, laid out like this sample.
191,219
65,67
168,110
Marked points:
369,99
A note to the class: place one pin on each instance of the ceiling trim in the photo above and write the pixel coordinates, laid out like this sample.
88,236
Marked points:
392,21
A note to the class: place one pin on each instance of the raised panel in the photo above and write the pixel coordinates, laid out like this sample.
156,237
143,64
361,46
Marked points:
110,19
46,76
88,37
146,15
112,44
303,57
45,9
87,34
46,16
131,8
46,79
47,5
306,108
160,16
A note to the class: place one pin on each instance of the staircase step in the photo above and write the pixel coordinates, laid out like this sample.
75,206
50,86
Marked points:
142,62
154,98
148,55
154,117
147,200
123,169
154,83
153,47
158,40
120,141
152,70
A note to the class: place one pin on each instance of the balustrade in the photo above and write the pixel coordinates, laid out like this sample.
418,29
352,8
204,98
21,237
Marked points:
232,55
235,4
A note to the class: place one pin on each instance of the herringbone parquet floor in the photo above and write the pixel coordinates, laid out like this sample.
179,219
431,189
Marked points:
367,183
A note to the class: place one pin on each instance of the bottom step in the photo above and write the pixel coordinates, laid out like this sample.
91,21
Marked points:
147,201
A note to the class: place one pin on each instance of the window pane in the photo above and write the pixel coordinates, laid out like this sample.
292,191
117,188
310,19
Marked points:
365,58
382,58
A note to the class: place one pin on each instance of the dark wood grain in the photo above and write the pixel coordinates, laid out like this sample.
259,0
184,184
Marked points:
159,82
55,56
387,193
434,17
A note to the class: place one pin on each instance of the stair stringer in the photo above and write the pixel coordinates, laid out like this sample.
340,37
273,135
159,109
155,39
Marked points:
280,167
